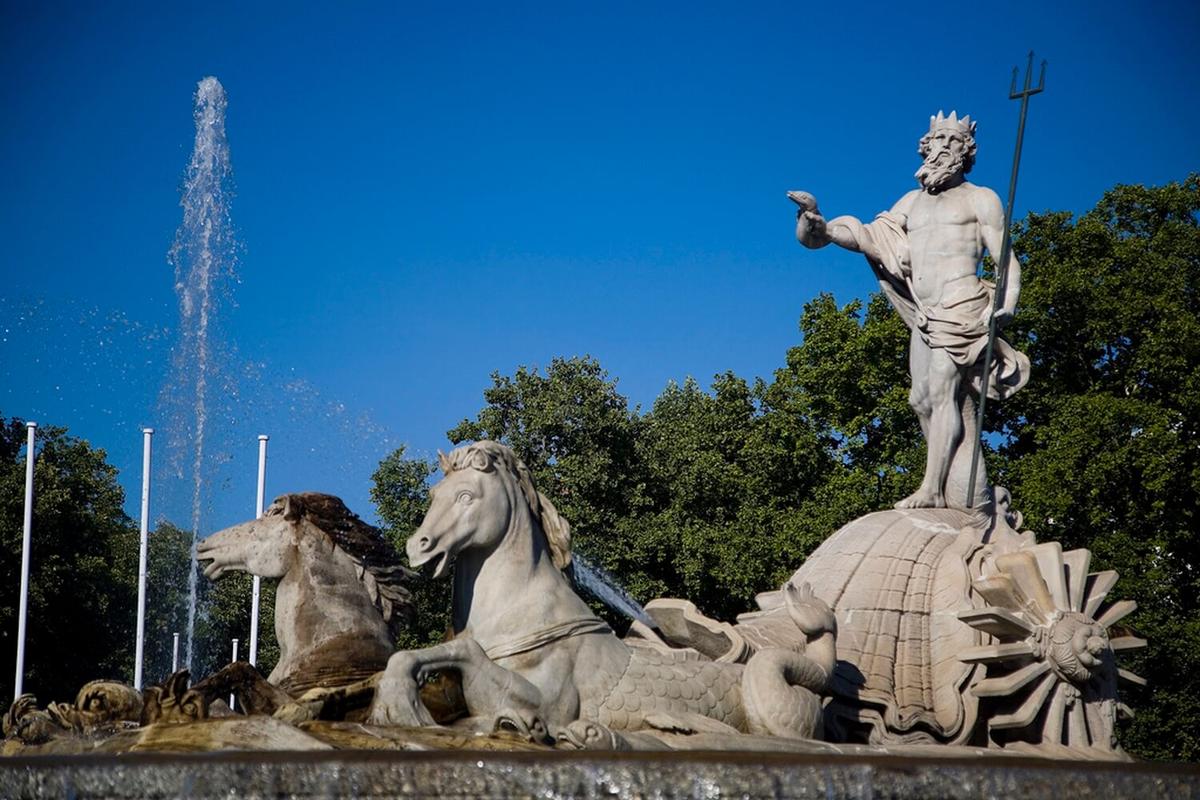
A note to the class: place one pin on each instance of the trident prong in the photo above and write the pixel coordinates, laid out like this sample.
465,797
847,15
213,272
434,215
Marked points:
1029,90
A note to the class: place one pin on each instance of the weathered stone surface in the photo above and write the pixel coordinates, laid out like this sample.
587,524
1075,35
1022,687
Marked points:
619,775
342,590
357,736
950,633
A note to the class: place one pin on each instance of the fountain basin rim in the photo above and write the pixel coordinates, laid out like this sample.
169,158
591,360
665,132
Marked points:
901,762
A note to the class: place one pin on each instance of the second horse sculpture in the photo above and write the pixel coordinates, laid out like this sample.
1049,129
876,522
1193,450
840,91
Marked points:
342,595
532,654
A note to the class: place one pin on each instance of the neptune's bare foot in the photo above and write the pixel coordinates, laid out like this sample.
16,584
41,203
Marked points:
923,498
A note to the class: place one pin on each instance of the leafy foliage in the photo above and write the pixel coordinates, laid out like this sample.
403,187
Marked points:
1102,448
83,575
400,490
225,615
223,611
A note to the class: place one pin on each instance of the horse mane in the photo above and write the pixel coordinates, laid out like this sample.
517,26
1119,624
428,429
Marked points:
375,558
485,456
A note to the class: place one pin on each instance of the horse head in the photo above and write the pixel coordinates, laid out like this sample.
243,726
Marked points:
486,489
267,546
318,530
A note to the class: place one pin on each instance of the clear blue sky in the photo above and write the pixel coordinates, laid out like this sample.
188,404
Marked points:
428,193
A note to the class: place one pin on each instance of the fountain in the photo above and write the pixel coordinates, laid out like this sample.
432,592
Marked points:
966,646
204,255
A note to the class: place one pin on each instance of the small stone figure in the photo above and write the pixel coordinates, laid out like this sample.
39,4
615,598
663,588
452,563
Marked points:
926,252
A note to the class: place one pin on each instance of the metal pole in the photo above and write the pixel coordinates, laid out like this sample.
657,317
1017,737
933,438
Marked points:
1002,264
143,545
257,583
23,604
233,660
175,655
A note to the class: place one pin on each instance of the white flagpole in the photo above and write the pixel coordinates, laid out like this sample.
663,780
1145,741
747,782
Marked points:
235,649
139,649
262,477
23,605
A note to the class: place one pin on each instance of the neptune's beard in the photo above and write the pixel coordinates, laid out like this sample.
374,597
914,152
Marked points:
940,168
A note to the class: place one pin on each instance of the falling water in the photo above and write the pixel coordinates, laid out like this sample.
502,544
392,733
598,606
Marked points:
605,588
203,256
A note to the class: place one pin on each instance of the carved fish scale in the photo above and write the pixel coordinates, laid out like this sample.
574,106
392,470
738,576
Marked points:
663,682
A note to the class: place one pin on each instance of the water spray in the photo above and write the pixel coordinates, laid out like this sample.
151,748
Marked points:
203,254
605,588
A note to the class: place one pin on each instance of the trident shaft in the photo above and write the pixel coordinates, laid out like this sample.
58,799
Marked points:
1002,264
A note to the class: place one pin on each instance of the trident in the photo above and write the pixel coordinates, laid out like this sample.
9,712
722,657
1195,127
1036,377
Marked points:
1002,265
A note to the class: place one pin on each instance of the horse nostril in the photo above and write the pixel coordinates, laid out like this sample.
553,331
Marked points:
423,543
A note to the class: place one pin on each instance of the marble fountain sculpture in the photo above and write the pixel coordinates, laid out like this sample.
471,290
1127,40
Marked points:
939,627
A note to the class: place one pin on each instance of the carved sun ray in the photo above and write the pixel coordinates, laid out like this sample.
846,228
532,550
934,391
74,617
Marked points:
1047,648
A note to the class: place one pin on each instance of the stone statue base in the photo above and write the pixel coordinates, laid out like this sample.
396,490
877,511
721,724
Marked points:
952,629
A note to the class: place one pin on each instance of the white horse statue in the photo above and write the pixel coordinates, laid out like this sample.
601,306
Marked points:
532,655
342,592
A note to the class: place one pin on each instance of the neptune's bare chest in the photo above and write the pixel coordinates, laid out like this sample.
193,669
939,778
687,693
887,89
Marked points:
933,212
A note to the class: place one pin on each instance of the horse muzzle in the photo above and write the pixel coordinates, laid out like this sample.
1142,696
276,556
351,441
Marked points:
422,548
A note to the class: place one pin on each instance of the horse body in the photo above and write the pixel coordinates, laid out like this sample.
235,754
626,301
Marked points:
531,652
334,629
328,620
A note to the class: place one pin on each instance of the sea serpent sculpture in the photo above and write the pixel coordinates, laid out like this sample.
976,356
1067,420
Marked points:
533,656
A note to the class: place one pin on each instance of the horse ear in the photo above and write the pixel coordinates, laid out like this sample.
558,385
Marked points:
481,460
558,532
292,507
443,462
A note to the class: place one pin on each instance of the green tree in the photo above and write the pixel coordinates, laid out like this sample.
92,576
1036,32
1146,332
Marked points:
83,565
701,496
1101,450
727,473
574,431
400,490
168,557
226,605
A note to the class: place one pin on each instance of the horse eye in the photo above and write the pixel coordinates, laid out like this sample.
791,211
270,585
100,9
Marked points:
464,497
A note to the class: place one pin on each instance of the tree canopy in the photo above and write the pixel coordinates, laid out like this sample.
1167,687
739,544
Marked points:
83,576
82,612
1101,450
